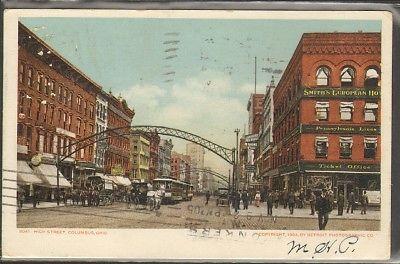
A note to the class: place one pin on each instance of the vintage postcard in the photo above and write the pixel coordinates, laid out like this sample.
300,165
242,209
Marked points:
192,135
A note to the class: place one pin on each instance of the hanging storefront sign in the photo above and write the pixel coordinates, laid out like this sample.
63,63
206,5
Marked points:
341,93
341,129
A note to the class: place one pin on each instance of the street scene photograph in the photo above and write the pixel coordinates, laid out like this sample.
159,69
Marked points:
187,123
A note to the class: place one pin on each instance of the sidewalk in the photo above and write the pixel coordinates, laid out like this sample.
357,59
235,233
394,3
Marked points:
27,206
304,213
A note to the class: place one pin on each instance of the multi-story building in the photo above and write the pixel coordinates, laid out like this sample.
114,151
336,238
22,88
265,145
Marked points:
117,155
196,153
180,166
140,156
255,109
101,126
265,144
154,155
164,157
327,114
56,107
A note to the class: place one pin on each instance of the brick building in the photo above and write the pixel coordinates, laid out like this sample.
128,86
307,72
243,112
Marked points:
117,155
164,157
326,114
180,166
154,170
56,108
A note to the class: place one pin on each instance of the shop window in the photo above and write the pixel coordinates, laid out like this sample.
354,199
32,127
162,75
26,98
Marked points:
370,148
346,110
21,70
371,111
322,76
30,77
321,147
346,144
347,77
371,78
322,109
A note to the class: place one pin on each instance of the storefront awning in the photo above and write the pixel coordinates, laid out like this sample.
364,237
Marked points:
119,180
25,174
48,174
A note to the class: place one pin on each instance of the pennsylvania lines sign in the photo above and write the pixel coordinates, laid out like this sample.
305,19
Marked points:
341,129
341,93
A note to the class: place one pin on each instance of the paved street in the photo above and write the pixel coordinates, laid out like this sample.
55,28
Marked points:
183,215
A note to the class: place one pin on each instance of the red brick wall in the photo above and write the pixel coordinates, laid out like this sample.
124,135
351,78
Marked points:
47,124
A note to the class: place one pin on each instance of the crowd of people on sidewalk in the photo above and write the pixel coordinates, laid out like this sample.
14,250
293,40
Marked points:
87,196
321,202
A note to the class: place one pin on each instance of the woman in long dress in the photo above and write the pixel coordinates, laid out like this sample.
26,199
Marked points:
257,198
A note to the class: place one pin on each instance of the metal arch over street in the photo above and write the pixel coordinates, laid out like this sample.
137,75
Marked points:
225,153
213,173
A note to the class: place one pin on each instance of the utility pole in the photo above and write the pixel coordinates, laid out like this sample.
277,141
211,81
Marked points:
237,130
255,75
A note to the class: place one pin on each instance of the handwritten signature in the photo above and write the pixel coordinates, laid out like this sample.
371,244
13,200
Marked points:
336,246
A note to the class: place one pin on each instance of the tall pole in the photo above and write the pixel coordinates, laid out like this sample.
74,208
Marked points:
229,179
255,75
237,130
58,178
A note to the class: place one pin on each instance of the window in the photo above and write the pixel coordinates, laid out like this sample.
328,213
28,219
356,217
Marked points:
55,141
38,81
30,77
346,144
371,111
370,148
28,136
91,111
64,120
321,109
52,89
39,102
21,72
46,85
321,147
21,102
59,117
20,129
70,99
69,122
79,103
85,107
51,114
371,78
322,75
65,96
347,77
346,110
44,112
78,126
60,93
29,106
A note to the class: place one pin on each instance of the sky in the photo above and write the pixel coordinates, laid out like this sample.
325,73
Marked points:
192,74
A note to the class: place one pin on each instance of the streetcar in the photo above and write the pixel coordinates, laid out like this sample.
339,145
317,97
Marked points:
187,193
174,189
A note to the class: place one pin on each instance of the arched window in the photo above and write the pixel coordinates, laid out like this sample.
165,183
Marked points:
322,75
371,78
347,76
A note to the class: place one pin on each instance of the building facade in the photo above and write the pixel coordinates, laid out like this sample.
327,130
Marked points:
140,156
101,126
164,157
196,153
327,115
180,166
117,155
154,156
265,144
56,108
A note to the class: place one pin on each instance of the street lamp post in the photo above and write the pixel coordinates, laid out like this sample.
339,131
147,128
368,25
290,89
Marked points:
58,179
237,130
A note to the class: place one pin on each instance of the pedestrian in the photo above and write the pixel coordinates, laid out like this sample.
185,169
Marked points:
340,203
65,197
302,197
35,198
276,198
270,203
20,198
245,199
257,198
364,202
285,198
291,201
351,202
312,202
207,196
237,201
323,208
83,197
